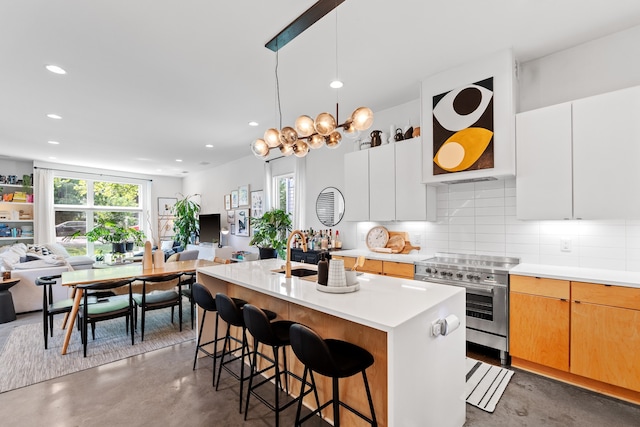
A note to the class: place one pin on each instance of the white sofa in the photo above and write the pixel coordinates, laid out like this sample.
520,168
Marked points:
27,263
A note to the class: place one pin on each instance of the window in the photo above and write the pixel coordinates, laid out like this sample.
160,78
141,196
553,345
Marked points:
284,195
80,203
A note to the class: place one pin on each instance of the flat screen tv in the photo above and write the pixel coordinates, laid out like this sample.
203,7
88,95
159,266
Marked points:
209,228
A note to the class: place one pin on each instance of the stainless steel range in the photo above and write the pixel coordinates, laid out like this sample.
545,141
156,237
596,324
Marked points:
486,279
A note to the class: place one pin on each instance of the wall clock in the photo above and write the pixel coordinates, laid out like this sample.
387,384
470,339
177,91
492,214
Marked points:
377,237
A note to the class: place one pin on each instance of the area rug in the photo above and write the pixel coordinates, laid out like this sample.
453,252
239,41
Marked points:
26,362
485,384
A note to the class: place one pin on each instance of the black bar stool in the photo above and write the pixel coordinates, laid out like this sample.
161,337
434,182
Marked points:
331,358
231,313
207,302
276,335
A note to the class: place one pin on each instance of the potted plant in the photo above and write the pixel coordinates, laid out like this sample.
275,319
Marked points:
110,232
185,223
270,233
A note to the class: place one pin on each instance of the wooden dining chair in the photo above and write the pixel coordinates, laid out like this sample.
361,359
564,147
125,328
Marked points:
151,299
106,308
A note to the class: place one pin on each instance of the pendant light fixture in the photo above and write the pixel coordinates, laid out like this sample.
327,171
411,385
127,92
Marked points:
308,133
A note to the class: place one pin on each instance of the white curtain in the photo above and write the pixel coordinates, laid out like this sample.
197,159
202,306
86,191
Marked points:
44,221
268,187
299,214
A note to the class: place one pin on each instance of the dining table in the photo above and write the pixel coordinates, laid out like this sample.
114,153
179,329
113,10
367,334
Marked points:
126,271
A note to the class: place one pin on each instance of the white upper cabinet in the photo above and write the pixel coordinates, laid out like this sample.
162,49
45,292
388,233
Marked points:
385,184
606,149
356,177
414,200
543,146
578,160
382,183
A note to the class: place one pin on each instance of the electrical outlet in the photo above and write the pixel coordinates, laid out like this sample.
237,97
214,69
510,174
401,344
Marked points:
565,244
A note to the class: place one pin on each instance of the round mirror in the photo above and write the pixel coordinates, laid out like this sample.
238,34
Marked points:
330,206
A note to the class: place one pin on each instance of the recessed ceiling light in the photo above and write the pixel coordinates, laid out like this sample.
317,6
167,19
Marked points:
52,157
54,116
253,123
209,145
336,84
178,160
55,69
53,142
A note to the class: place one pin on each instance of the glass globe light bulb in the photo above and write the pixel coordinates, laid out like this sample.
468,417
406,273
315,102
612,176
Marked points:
316,141
260,148
362,118
334,139
349,131
272,137
304,126
325,124
288,136
286,150
300,148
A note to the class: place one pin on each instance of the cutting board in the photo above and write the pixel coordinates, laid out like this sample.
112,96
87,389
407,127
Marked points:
408,247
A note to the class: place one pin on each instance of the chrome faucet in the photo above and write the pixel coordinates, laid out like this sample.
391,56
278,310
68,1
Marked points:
287,265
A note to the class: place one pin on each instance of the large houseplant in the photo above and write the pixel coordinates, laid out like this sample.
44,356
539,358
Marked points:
185,223
270,233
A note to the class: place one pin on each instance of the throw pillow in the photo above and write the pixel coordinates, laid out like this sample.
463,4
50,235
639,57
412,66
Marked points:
57,249
39,250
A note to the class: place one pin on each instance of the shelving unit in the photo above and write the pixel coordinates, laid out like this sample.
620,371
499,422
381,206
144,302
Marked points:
11,212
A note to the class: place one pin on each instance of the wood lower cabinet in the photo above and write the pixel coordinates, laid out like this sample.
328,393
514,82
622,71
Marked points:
376,266
539,321
586,334
605,334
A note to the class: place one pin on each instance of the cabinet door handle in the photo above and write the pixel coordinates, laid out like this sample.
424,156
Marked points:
563,299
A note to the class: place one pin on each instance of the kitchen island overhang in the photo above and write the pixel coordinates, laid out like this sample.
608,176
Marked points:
418,379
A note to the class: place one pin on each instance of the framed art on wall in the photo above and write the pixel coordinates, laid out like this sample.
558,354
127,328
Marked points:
227,202
243,195
257,204
165,205
242,222
234,199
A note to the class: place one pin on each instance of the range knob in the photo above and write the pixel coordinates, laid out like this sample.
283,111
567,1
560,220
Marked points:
449,274
459,275
470,276
476,277
428,270
443,273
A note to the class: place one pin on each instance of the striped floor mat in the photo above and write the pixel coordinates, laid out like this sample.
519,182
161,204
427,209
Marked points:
485,384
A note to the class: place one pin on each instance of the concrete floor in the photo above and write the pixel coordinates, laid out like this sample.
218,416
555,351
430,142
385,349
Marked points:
160,388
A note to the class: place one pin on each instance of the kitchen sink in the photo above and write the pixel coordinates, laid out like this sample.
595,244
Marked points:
299,272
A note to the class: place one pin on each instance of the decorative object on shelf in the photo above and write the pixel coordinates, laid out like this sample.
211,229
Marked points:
257,202
243,195
408,132
186,224
376,139
227,202
308,133
270,233
416,132
399,136
242,222
234,199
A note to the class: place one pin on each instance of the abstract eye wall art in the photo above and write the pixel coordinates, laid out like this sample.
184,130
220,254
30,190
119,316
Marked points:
463,128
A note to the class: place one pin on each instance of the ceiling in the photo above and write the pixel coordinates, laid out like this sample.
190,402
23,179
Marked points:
152,81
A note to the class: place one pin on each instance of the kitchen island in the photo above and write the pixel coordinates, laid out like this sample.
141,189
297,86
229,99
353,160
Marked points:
417,379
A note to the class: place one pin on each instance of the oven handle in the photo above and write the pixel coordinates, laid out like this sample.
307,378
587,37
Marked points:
487,290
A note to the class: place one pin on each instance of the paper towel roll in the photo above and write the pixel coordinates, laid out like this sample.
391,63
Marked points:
451,323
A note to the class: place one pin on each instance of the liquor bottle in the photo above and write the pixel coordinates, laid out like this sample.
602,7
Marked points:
323,270
338,243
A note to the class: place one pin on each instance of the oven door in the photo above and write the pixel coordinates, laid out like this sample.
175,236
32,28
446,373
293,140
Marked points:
487,308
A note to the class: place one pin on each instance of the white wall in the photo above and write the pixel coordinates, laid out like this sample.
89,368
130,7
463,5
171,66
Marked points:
602,65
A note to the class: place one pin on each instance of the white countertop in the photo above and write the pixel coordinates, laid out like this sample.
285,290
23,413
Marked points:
382,302
577,274
409,258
